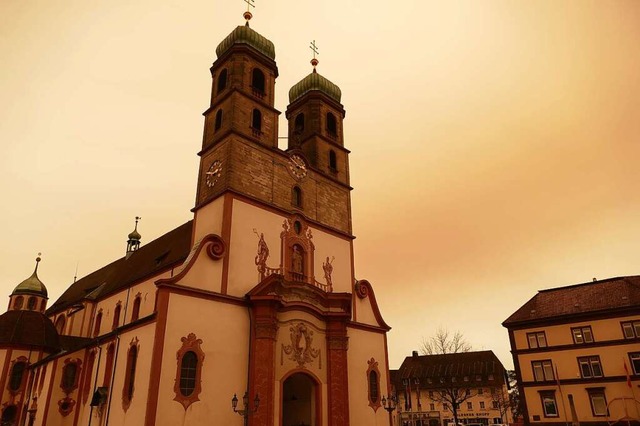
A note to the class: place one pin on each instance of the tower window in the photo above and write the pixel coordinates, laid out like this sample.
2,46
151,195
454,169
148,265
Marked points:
17,376
18,303
43,305
116,317
60,324
31,304
218,124
333,162
222,80
256,122
257,82
299,124
332,126
296,196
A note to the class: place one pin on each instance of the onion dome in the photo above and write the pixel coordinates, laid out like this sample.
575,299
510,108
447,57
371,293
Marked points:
243,34
28,328
32,285
135,235
314,81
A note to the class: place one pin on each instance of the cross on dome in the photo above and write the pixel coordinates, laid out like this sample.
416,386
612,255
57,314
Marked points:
247,15
314,48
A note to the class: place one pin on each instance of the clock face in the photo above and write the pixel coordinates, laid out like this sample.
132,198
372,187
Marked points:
297,166
213,173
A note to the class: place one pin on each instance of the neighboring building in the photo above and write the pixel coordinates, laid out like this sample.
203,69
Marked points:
571,347
426,386
257,293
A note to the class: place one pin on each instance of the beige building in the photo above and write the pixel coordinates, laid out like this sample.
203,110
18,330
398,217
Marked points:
576,351
428,386
256,294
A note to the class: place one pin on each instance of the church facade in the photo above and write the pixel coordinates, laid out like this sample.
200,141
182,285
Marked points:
250,312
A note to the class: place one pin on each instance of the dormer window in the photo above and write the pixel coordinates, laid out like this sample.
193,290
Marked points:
332,125
257,82
256,122
222,80
218,124
299,124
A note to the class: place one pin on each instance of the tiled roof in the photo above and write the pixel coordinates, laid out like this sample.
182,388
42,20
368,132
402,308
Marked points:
591,297
170,249
28,329
432,368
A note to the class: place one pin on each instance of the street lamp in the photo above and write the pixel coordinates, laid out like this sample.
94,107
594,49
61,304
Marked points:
389,404
246,411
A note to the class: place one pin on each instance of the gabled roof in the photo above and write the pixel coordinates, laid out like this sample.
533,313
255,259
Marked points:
430,369
170,249
593,297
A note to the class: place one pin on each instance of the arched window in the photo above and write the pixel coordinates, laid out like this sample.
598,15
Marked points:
9,416
218,123
116,316
296,196
187,385
130,375
31,304
18,303
69,379
332,126
135,311
96,327
373,384
299,124
333,163
17,376
88,373
222,80
256,121
108,369
43,305
257,81
60,324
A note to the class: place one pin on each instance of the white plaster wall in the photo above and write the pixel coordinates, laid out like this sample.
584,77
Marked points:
208,219
364,311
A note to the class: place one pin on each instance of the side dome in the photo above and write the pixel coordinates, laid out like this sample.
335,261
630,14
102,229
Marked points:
243,34
314,81
31,285
28,328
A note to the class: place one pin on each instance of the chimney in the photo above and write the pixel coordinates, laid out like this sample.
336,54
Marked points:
415,354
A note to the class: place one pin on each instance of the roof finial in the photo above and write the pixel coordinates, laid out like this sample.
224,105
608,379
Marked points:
38,259
314,61
137,219
247,15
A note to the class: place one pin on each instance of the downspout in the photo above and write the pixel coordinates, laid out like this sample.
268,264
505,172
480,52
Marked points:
250,357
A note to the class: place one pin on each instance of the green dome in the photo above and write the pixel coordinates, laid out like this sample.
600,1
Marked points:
135,235
314,81
31,285
245,35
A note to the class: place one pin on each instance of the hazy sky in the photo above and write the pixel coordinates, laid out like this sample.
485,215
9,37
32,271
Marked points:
495,144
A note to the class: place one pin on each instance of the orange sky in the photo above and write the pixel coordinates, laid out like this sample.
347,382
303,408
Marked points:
494,143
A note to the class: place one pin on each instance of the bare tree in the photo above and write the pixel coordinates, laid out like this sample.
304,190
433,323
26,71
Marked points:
501,401
443,342
452,396
516,401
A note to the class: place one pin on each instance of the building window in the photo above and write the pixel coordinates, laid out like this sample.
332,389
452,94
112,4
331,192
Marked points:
108,369
296,196
257,82
70,375
256,122
631,329
537,340
478,378
480,391
549,406
130,374
31,304
432,407
431,394
298,127
135,311
190,358
18,303
469,405
542,370
218,123
333,162
582,335
445,406
86,389
635,362
43,305
116,316
482,405
495,405
222,80
9,415
598,402
16,379
60,324
96,328
373,384
590,366
332,126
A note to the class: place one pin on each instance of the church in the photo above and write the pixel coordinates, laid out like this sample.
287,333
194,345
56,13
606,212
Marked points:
250,313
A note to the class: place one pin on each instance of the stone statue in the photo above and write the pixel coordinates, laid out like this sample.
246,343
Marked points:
328,270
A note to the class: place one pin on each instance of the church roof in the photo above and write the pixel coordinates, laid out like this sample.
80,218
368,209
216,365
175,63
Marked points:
243,34
28,328
587,298
314,81
170,249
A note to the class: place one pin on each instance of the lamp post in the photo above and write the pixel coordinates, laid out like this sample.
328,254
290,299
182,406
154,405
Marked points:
246,411
389,404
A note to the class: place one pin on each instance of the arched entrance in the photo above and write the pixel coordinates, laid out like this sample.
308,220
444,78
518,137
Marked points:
300,401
